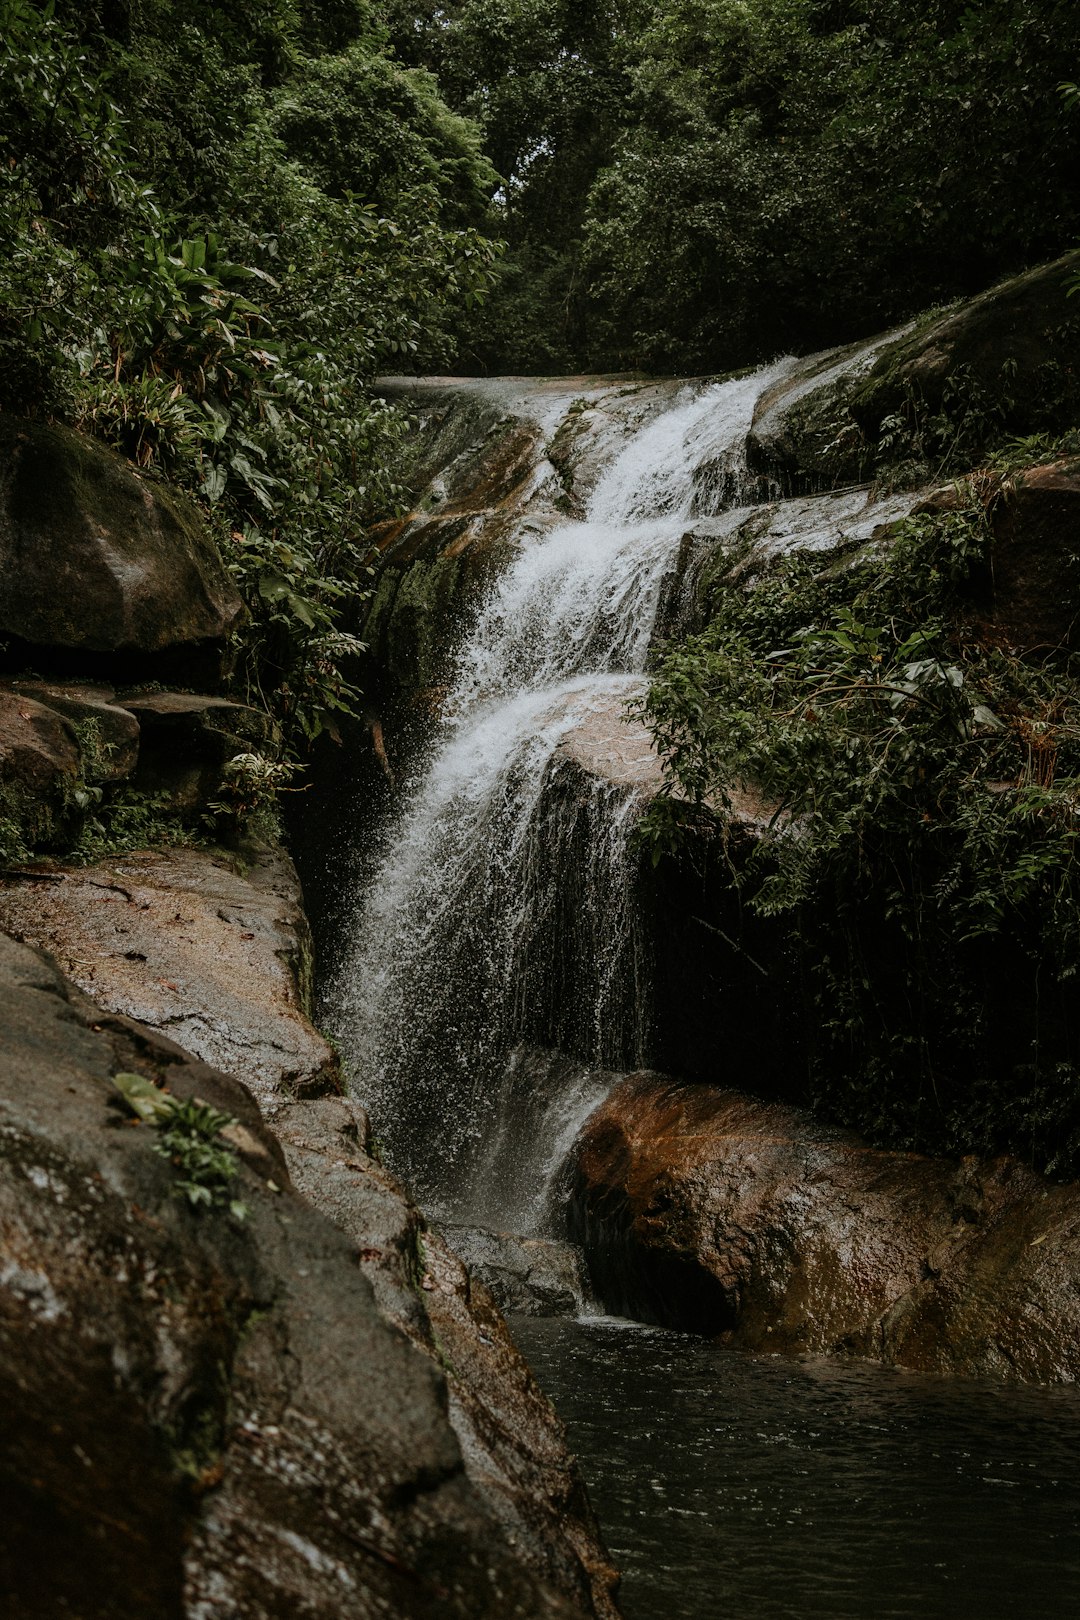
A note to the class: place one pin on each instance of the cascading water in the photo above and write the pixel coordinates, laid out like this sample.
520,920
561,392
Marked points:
503,911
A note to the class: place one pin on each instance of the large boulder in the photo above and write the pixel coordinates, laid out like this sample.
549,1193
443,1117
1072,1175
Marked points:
215,951
514,1447
205,1415
1013,350
97,560
932,393
705,1209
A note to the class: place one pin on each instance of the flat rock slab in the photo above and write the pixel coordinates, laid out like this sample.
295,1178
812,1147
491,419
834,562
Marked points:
206,1416
183,941
702,1208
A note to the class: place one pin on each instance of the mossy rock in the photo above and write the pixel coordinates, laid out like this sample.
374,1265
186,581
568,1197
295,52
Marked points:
1006,363
1019,343
97,560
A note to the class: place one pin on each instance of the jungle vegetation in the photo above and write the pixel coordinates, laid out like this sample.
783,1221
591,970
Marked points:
219,222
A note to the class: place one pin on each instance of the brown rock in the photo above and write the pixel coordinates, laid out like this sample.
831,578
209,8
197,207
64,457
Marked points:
202,1415
512,1441
181,939
188,942
702,1208
39,769
117,730
187,737
95,558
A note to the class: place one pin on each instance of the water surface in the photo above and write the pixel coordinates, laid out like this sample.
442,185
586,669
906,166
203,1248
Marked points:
744,1488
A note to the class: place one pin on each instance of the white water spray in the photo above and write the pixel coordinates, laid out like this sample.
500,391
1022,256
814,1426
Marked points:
504,910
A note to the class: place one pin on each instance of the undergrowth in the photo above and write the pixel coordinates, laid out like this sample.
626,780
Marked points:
924,788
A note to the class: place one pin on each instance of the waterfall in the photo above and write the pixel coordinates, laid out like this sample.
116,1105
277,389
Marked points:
503,910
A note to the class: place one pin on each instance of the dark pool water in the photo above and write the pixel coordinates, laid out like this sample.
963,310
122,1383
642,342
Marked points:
731,1487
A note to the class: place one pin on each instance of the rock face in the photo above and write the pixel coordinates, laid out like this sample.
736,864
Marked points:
208,949
513,1446
216,951
39,769
1012,343
202,1416
704,1209
96,560
1009,356
59,739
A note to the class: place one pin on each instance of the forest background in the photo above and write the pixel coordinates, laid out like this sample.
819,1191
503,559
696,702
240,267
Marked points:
219,222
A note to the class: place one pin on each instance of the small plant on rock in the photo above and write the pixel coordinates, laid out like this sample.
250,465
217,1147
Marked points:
191,1140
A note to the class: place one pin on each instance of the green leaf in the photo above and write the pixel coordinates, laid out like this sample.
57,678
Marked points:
143,1097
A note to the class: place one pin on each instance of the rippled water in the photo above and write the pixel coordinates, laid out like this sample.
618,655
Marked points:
738,1488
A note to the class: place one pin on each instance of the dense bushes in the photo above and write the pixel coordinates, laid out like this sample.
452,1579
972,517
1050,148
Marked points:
216,224
922,858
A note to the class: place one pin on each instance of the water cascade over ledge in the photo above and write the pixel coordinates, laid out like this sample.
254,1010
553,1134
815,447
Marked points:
504,912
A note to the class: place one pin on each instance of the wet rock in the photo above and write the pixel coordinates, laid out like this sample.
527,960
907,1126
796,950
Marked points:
494,460
193,943
39,770
803,433
1006,358
529,1276
97,560
108,734
1012,347
702,1208
206,1416
187,737
435,562
513,1444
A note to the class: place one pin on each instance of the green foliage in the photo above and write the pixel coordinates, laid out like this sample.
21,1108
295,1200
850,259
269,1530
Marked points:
216,225
251,784
13,844
124,819
698,184
923,790
892,154
190,1137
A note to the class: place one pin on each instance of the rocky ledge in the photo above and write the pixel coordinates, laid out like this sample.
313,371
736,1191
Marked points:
394,1335
209,1415
704,1209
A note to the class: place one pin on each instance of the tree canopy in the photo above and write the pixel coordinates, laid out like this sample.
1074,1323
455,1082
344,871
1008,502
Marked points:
693,184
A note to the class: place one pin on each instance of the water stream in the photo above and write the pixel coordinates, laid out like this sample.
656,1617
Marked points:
500,924
503,910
